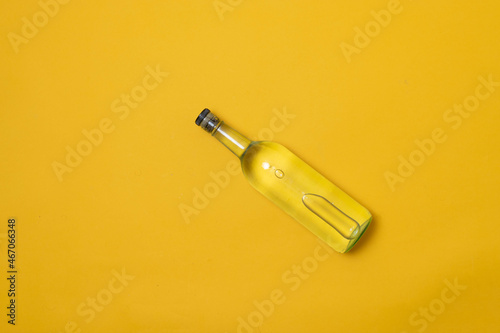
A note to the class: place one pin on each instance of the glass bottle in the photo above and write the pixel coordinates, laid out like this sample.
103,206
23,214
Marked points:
294,186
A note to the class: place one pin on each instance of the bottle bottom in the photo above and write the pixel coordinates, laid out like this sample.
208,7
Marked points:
361,232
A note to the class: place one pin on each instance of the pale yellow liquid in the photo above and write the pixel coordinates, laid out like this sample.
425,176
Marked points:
305,194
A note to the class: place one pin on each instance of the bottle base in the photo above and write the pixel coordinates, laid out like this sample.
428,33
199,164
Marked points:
362,231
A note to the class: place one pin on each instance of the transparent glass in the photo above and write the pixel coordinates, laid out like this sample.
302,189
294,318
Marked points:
305,194
294,186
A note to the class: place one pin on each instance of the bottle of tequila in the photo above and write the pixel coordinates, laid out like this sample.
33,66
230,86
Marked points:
294,186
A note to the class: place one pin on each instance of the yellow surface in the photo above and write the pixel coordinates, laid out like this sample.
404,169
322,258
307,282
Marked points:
355,104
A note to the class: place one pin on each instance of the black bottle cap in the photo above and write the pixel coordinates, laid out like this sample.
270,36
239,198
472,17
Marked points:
202,116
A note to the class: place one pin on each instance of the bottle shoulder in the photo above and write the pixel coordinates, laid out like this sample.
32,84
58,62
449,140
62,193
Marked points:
265,152
266,145
263,147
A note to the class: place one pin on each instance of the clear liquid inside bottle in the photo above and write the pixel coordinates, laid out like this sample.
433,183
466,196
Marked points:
305,194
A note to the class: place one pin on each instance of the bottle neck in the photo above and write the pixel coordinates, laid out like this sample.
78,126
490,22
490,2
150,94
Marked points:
229,137
232,139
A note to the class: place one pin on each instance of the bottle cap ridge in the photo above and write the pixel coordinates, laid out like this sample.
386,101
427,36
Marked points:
202,116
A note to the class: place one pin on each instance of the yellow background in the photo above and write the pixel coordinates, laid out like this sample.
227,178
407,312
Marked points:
119,210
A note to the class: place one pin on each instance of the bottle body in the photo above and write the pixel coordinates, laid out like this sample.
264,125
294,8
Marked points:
305,194
294,186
